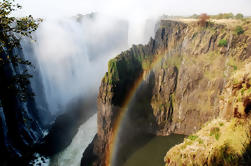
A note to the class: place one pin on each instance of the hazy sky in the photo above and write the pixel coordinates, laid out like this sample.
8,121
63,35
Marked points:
132,8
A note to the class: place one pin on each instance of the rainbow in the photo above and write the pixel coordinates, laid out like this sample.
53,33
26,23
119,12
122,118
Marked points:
122,112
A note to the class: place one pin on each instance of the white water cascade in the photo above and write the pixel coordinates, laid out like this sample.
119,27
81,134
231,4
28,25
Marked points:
70,58
72,155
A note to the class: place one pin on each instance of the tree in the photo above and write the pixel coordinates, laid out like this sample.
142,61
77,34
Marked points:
228,15
12,29
203,18
195,16
239,16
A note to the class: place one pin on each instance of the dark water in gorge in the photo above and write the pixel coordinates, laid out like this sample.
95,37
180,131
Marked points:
153,152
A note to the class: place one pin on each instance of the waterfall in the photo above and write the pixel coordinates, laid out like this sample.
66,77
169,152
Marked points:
71,156
70,56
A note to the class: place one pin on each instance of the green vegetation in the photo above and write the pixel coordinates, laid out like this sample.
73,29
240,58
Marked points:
234,63
239,16
200,141
239,30
221,141
113,74
146,64
213,147
11,31
222,43
216,132
223,16
234,67
224,156
221,124
192,137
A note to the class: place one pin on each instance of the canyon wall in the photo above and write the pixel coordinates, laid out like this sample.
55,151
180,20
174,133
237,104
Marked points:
20,126
184,70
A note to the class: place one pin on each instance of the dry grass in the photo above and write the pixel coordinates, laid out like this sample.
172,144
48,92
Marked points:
222,141
207,144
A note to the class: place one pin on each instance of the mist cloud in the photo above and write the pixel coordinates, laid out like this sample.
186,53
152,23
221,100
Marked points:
72,56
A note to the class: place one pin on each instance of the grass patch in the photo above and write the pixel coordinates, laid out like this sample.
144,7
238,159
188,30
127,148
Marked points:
221,124
216,132
225,148
200,141
222,43
192,137
234,63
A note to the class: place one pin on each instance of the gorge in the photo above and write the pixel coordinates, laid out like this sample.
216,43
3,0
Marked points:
171,85
106,90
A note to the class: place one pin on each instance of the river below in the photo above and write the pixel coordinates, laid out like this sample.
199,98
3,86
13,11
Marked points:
153,152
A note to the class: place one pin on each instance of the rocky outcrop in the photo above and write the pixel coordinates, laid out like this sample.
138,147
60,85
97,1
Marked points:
183,72
225,140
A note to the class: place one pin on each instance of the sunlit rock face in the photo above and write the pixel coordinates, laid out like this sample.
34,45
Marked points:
177,94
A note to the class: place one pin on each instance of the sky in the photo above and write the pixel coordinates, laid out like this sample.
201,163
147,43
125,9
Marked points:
131,8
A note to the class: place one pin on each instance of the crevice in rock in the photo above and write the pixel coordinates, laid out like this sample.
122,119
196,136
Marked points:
247,105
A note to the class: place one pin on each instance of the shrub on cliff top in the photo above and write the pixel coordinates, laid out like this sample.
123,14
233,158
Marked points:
223,16
239,30
203,19
239,16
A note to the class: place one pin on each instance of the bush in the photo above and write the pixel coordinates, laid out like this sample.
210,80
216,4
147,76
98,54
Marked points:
203,18
239,16
223,16
239,30
223,43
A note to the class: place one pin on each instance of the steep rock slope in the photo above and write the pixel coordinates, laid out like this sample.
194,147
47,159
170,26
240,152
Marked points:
225,140
179,90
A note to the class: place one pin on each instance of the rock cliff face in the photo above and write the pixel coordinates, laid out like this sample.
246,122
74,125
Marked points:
226,139
20,127
178,92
